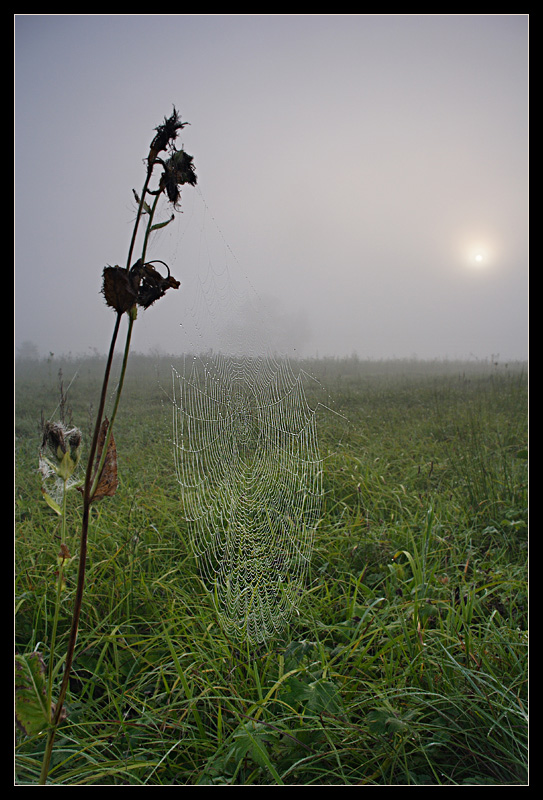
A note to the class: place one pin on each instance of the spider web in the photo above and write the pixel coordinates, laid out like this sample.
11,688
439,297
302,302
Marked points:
246,453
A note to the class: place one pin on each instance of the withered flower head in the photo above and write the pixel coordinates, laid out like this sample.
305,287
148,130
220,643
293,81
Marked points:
74,438
58,441
153,286
53,439
178,170
60,450
120,288
166,134
142,285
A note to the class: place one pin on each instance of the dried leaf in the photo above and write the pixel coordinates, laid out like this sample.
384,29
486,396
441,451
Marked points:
107,484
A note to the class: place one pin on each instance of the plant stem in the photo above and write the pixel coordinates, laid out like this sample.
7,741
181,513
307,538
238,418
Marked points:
149,225
139,214
98,470
131,319
87,496
92,477
57,605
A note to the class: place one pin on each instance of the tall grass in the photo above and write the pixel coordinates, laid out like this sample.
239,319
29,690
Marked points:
407,662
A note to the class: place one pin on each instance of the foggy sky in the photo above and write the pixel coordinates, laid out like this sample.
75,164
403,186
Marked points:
352,166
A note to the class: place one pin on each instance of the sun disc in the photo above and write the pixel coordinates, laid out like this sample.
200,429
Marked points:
478,256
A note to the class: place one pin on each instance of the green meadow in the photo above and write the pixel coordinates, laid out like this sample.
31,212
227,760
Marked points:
406,661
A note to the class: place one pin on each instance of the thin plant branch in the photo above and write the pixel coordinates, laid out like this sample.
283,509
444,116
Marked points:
124,290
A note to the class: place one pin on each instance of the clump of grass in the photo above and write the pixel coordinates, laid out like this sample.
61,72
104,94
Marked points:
125,289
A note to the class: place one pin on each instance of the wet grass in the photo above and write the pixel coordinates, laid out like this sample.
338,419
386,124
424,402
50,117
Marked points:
407,662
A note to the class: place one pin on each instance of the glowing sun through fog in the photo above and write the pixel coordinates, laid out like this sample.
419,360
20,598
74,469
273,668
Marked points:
478,256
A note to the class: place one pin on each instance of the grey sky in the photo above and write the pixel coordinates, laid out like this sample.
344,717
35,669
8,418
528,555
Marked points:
355,165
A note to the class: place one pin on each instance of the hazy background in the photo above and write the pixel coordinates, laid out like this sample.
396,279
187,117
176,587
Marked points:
353,166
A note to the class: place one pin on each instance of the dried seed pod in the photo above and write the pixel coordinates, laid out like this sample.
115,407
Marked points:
178,170
153,285
141,285
166,134
120,288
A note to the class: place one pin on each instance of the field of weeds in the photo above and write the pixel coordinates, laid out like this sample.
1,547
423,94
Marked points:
406,663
